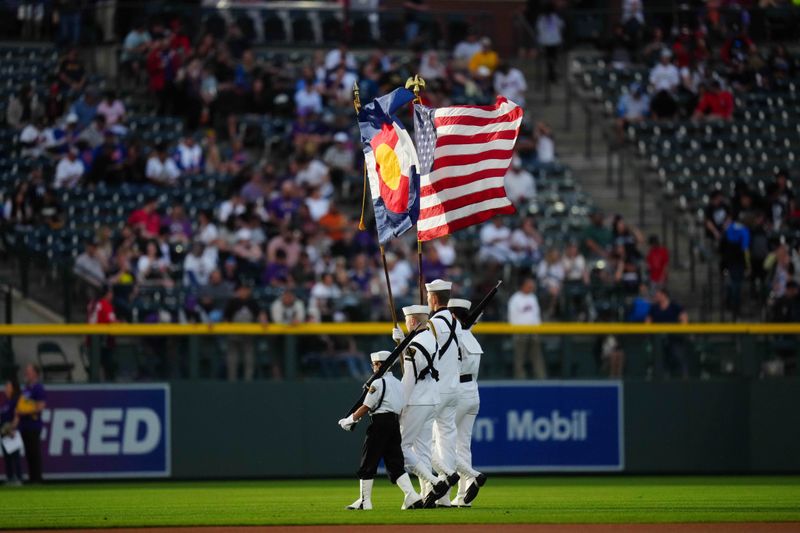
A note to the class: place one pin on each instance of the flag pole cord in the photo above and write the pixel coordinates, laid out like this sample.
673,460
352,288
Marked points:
362,227
416,83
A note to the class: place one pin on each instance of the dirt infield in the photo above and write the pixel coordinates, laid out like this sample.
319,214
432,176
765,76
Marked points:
743,527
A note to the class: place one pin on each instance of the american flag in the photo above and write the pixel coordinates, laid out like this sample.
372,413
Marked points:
464,153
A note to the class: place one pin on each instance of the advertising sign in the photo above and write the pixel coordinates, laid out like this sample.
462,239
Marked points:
106,431
549,426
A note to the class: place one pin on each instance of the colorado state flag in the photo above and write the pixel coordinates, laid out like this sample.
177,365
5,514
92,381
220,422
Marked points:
392,165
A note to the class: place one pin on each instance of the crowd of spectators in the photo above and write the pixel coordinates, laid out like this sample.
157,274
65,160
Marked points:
698,68
287,223
695,67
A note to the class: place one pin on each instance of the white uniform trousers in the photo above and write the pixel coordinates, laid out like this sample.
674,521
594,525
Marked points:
444,434
415,430
466,412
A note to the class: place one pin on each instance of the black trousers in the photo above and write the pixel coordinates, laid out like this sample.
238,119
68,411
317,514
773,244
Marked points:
551,56
383,441
32,439
13,465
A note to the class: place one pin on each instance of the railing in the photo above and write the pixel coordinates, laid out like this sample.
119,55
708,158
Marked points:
708,350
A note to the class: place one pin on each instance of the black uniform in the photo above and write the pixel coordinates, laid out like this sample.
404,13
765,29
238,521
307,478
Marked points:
385,401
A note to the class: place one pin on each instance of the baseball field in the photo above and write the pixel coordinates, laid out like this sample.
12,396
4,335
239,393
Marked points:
762,502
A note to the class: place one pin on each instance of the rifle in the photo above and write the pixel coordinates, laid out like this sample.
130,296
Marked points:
385,366
478,309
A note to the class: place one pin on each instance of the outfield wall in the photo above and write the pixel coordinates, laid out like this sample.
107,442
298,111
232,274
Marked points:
258,430
194,430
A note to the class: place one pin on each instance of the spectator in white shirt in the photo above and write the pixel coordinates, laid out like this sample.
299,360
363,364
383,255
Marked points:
313,173
467,48
189,156
495,242
510,82
340,55
545,147
550,274
198,265
112,109
400,274
91,266
548,30
69,170
520,184
288,309
523,310
317,205
161,169
447,252
574,264
340,159
525,243
664,78
207,231
307,100
323,298
32,139
430,68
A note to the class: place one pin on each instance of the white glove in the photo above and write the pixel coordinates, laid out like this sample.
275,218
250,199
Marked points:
476,321
398,335
347,423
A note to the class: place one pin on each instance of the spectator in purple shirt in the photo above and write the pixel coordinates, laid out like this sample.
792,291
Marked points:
276,273
286,204
361,274
432,267
178,225
29,408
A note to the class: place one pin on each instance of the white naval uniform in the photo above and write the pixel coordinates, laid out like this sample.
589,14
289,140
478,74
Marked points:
469,403
421,397
447,330
390,400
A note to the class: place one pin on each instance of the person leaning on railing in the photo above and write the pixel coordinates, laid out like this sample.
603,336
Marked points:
665,311
523,309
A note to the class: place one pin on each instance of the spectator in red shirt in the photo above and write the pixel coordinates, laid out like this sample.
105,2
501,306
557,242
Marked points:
146,219
101,311
179,41
657,262
714,103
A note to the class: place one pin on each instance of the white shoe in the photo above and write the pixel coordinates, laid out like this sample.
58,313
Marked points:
360,505
364,502
459,502
413,501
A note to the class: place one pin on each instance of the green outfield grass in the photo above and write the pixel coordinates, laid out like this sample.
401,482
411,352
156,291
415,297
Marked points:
502,500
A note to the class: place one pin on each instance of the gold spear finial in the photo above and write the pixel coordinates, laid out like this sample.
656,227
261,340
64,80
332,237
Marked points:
416,83
356,97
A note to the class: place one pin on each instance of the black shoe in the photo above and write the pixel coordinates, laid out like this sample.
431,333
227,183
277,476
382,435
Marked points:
481,479
453,478
472,493
439,490
419,504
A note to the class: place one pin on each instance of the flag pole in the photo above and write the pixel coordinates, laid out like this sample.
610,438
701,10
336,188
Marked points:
416,83
362,227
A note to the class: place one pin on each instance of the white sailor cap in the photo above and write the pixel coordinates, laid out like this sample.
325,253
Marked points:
459,302
417,310
379,357
438,285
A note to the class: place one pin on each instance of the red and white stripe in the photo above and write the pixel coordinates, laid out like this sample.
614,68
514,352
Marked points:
474,147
